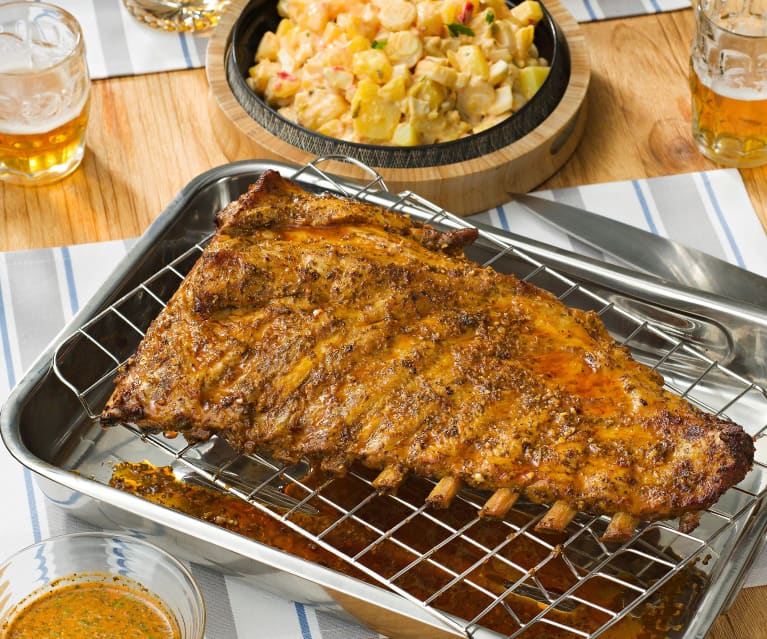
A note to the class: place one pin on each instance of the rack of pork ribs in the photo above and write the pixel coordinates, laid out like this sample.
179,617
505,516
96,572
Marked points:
322,328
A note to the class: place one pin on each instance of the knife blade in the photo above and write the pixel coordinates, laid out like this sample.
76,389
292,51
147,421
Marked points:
653,254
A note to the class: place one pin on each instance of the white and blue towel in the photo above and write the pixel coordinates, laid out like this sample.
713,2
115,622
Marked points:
590,10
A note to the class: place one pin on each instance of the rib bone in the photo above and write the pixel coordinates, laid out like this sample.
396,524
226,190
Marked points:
389,479
444,492
621,527
558,517
499,504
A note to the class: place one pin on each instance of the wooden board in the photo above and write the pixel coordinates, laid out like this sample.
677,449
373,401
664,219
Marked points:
465,187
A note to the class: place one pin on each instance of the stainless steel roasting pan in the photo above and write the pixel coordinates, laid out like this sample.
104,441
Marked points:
708,349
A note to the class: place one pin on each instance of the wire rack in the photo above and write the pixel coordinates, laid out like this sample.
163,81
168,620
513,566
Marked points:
459,545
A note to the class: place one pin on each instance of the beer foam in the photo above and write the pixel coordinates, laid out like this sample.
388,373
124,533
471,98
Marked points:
746,94
21,126
731,86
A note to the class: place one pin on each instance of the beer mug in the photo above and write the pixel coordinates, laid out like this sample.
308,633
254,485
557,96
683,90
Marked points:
728,81
177,15
44,93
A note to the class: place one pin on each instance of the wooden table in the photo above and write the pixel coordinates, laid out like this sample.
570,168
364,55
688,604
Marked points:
149,135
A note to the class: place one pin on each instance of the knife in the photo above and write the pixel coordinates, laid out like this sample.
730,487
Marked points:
652,253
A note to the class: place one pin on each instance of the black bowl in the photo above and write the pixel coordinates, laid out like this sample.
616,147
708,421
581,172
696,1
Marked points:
260,16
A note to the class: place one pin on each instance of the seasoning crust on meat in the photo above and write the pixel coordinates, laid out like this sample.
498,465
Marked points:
328,329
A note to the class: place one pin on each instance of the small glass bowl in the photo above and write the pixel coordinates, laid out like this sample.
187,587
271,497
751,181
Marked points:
61,561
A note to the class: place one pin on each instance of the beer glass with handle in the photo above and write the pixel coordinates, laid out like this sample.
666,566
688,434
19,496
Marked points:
44,93
728,81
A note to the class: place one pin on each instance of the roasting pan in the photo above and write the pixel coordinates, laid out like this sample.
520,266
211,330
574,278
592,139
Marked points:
705,347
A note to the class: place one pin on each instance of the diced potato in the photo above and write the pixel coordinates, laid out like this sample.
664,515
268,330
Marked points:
405,135
332,32
295,11
437,70
496,6
338,78
268,47
372,64
429,19
394,90
351,24
281,86
332,128
316,16
471,60
527,12
305,52
370,25
284,27
357,44
431,92
365,92
260,74
531,79
450,11
440,129
374,118
320,107
332,57
523,38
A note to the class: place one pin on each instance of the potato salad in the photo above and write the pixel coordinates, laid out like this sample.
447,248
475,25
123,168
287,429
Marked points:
399,72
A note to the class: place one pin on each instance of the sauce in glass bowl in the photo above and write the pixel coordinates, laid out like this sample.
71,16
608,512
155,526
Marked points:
83,606
98,585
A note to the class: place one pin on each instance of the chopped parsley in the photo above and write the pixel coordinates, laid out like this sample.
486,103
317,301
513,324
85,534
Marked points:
456,29
376,44
489,17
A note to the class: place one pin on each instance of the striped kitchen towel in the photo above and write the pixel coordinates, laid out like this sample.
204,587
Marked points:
118,44
589,10
710,211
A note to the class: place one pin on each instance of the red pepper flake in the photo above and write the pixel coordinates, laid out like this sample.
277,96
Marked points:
285,75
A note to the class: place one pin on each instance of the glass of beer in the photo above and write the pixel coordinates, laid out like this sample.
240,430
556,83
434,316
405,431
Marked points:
44,93
728,80
177,15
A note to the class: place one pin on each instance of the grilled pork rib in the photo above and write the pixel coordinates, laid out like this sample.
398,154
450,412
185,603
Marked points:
323,328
